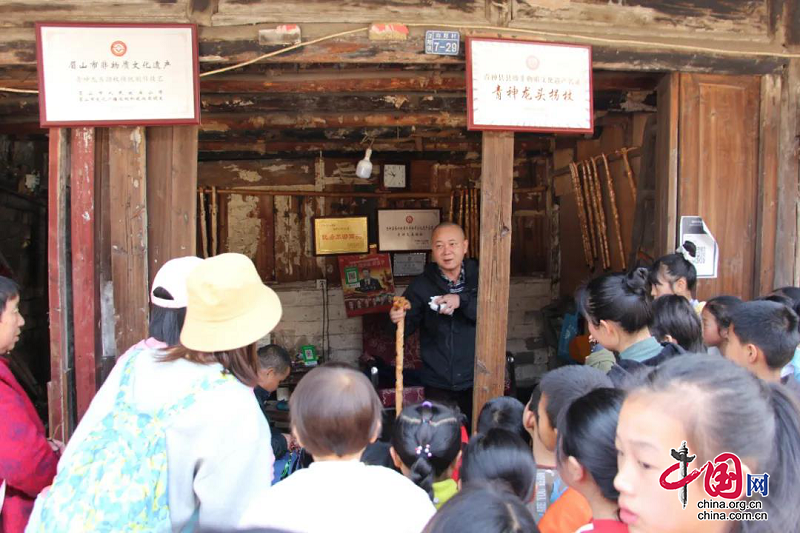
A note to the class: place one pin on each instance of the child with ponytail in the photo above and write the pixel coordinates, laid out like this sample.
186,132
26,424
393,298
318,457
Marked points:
676,274
619,312
426,446
715,407
587,458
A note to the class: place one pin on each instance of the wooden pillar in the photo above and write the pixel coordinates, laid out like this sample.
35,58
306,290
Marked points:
57,277
84,275
786,271
766,217
495,269
128,207
171,194
666,183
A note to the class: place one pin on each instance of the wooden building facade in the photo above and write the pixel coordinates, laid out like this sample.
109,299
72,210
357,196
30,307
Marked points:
703,93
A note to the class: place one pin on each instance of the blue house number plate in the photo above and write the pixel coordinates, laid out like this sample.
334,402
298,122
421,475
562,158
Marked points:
443,43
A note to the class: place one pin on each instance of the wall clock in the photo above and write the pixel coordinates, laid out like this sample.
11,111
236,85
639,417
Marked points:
395,175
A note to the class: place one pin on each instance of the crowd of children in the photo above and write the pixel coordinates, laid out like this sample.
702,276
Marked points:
175,441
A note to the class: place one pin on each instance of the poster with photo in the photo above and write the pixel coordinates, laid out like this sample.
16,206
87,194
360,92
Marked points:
367,283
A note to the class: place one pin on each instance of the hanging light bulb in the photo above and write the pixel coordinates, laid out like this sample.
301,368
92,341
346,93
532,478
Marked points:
364,168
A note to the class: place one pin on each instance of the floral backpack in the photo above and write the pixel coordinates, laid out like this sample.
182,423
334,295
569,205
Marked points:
117,479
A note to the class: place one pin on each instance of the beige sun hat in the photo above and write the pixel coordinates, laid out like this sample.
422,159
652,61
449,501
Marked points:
228,306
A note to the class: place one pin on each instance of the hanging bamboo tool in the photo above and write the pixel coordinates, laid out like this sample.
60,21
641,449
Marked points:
452,205
467,213
213,221
576,187
203,222
398,302
612,197
602,212
629,172
477,215
586,184
461,207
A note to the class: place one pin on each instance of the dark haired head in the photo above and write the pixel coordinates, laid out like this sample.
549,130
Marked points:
8,291
793,293
166,324
721,308
483,508
563,385
335,411
500,455
427,439
673,315
671,268
621,298
274,357
723,408
770,326
503,412
533,401
587,429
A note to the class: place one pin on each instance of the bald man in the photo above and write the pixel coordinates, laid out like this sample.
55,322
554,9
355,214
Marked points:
447,333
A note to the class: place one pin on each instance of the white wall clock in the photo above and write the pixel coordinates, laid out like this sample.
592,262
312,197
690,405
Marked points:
395,175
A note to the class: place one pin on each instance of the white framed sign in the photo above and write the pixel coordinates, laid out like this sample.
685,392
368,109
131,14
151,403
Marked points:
404,230
117,74
529,86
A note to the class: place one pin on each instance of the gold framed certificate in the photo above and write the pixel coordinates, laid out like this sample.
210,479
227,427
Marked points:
340,235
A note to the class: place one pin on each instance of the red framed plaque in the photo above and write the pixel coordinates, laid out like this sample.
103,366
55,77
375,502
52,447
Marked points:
117,74
529,86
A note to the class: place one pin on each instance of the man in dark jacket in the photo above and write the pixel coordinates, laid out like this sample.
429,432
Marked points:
444,307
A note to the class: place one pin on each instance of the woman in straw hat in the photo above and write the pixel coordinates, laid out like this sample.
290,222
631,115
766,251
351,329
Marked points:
174,440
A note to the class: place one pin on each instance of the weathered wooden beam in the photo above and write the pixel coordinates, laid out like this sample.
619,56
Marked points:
273,172
58,291
128,205
358,11
27,12
258,122
331,103
497,184
743,18
255,147
84,272
233,44
328,81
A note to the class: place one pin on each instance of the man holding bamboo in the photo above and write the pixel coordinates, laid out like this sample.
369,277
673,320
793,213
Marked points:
444,307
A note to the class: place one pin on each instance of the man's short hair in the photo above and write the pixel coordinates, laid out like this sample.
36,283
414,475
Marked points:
335,411
770,326
564,385
274,357
448,224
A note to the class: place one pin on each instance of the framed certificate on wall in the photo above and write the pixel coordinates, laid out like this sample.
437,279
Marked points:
340,235
406,230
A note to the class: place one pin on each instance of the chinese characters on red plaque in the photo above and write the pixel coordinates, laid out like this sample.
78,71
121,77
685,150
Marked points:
117,74
529,86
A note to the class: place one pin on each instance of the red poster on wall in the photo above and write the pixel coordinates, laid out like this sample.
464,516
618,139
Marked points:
367,283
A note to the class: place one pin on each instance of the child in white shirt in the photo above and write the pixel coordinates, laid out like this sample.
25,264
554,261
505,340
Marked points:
335,415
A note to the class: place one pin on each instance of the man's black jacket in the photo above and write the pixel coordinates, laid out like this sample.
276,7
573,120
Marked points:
447,342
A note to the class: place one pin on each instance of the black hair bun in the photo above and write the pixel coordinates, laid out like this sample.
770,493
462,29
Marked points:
636,281
691,248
